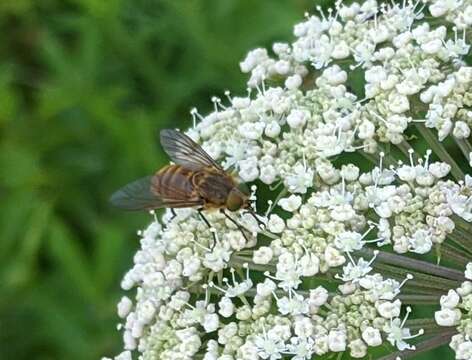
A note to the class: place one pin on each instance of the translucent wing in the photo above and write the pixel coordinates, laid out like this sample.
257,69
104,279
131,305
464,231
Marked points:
186,152
141,195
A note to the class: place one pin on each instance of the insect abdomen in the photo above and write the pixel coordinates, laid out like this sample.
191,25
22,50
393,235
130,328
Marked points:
174,182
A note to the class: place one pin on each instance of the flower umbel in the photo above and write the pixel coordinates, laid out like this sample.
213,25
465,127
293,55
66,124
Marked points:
349,131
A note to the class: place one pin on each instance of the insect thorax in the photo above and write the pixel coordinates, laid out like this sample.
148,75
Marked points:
213,186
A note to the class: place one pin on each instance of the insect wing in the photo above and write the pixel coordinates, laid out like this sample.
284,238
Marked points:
137,195
186,152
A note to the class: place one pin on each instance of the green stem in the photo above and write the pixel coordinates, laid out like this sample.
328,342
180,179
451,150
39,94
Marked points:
418,265
281,194
415,299
440,150
419,323
419,280
404,147
375,158
457,256
429,326
464,146
269,234
461,239
370,157
462,225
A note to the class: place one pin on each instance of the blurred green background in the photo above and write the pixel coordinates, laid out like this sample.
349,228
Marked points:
85,86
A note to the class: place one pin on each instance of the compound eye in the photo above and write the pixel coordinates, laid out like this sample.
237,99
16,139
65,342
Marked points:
234,201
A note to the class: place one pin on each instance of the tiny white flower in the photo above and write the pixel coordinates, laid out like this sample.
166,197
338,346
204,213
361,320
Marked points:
335,75
388,309
263,255
272,129
366,130
300,179
282,67
447,317
464,350
333,257
461,130
293,82
450,301
337,340
439,169
397,333
266,288
298,118
251,131
358,349
291,203
349,241
309,264
421,241
248,169
226,307
252,59
468,271
318,296
210,322
276,224
398,103
294,305
124,307
372,336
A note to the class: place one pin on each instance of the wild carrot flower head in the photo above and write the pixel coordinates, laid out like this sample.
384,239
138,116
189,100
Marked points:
331,135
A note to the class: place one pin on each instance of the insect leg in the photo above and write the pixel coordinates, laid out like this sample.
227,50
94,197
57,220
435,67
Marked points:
200,213
253,214
240,228
174,214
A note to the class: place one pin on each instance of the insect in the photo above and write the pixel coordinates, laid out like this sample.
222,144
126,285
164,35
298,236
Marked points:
195,180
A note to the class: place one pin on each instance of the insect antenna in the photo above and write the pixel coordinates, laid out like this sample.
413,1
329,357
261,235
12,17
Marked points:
240,228
200,213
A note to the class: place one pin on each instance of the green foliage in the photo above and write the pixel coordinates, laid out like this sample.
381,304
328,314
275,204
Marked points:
85,85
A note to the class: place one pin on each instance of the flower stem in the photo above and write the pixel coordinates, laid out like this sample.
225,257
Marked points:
462,226
429,325
462,239
418,265
420,280
404,147
456,256
415,299
465,147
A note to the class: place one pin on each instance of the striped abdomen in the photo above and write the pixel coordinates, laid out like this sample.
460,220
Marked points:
174,183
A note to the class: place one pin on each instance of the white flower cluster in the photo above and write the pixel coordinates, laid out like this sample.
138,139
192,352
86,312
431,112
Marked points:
223,294
459,197
266,320
401,60
458,12
456,311
408,204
